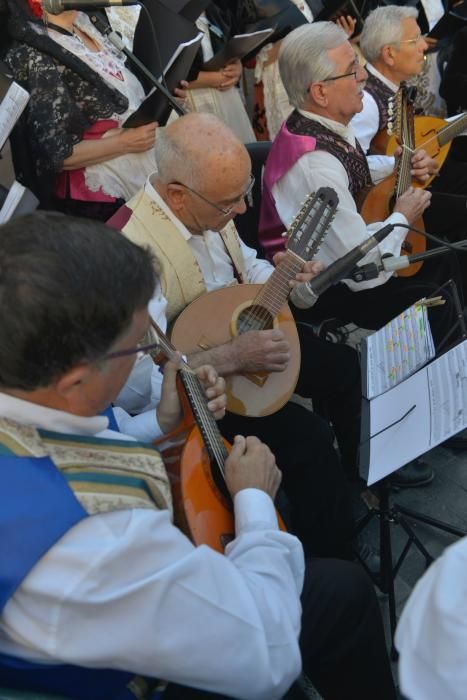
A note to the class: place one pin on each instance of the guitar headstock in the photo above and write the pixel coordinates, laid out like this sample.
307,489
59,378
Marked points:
401,113
311,223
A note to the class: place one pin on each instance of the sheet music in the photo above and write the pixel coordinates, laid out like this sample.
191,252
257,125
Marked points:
416,415
398,350
447,382
11,108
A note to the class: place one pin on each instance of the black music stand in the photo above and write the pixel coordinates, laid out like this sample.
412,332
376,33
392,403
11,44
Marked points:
389,513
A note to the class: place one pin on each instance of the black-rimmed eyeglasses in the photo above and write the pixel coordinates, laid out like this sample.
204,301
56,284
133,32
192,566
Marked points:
132,351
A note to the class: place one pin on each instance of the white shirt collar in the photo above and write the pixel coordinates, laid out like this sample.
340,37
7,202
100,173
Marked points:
346,132
155,196
38,416
371,69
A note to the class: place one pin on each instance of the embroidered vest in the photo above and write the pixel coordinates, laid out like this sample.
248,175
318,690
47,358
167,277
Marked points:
381,94
300,135
144,222
50,482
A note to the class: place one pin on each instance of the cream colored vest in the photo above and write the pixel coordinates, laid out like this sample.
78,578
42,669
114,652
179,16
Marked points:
180,275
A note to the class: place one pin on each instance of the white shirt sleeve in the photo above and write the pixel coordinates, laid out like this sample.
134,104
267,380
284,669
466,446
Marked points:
347,230
365,123
258,271
127,590
143,427
365,126
432,632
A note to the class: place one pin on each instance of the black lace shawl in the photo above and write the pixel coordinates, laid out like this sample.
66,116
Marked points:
67,96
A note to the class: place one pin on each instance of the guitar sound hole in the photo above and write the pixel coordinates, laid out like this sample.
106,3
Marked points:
254,318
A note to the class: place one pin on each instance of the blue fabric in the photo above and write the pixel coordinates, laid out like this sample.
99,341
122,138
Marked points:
37,508
109,412
73,681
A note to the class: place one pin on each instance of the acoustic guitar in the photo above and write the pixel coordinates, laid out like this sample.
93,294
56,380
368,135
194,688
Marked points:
379,201
218,316
195,460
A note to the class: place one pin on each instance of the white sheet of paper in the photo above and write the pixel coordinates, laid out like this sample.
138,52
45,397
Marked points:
439,394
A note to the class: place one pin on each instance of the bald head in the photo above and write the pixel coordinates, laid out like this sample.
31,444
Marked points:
198,150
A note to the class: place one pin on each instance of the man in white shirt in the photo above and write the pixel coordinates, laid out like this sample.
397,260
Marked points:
97,586
183,214
394,48
432,632
317,147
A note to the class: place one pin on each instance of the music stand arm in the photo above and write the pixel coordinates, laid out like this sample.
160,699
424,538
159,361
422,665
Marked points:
107,30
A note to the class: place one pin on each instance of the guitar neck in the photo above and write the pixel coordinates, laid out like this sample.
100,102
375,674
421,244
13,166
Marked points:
451,130
276,290
404,178
205,421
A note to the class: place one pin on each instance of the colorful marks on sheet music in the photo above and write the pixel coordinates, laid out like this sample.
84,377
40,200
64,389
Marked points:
399,349
405,338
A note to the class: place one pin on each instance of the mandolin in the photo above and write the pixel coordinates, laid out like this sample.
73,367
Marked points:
434,136
379,202
195,461
218,316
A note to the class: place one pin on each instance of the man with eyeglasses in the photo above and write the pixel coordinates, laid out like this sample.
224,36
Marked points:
394,48
101,595
317,147
185,215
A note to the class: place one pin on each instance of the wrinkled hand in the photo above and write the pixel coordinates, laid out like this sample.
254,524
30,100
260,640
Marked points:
214,388
431,41
231,74
310,269
413,203
261,351
169,409
181,91
423,166
347,23
139,139
251,464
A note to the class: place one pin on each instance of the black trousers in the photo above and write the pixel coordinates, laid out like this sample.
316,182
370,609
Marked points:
312,476
342,640
330,376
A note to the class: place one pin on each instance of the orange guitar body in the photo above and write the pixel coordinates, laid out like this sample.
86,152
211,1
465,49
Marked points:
201,510
426,129
378,205
211,320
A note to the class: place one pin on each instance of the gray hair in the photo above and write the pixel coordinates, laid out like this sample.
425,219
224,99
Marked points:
172,162
383,26
303,58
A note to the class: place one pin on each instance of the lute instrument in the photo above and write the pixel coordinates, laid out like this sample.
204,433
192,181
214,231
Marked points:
194,459
379,201
218,316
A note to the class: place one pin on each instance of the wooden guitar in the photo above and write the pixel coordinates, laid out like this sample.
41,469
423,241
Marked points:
215,318
434,136
195,464
379,202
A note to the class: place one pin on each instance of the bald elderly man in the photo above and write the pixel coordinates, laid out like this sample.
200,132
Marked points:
184,213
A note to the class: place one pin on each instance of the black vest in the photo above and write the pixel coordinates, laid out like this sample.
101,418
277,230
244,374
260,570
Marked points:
381,94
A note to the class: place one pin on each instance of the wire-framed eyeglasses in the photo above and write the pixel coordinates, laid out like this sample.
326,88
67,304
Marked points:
224,211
